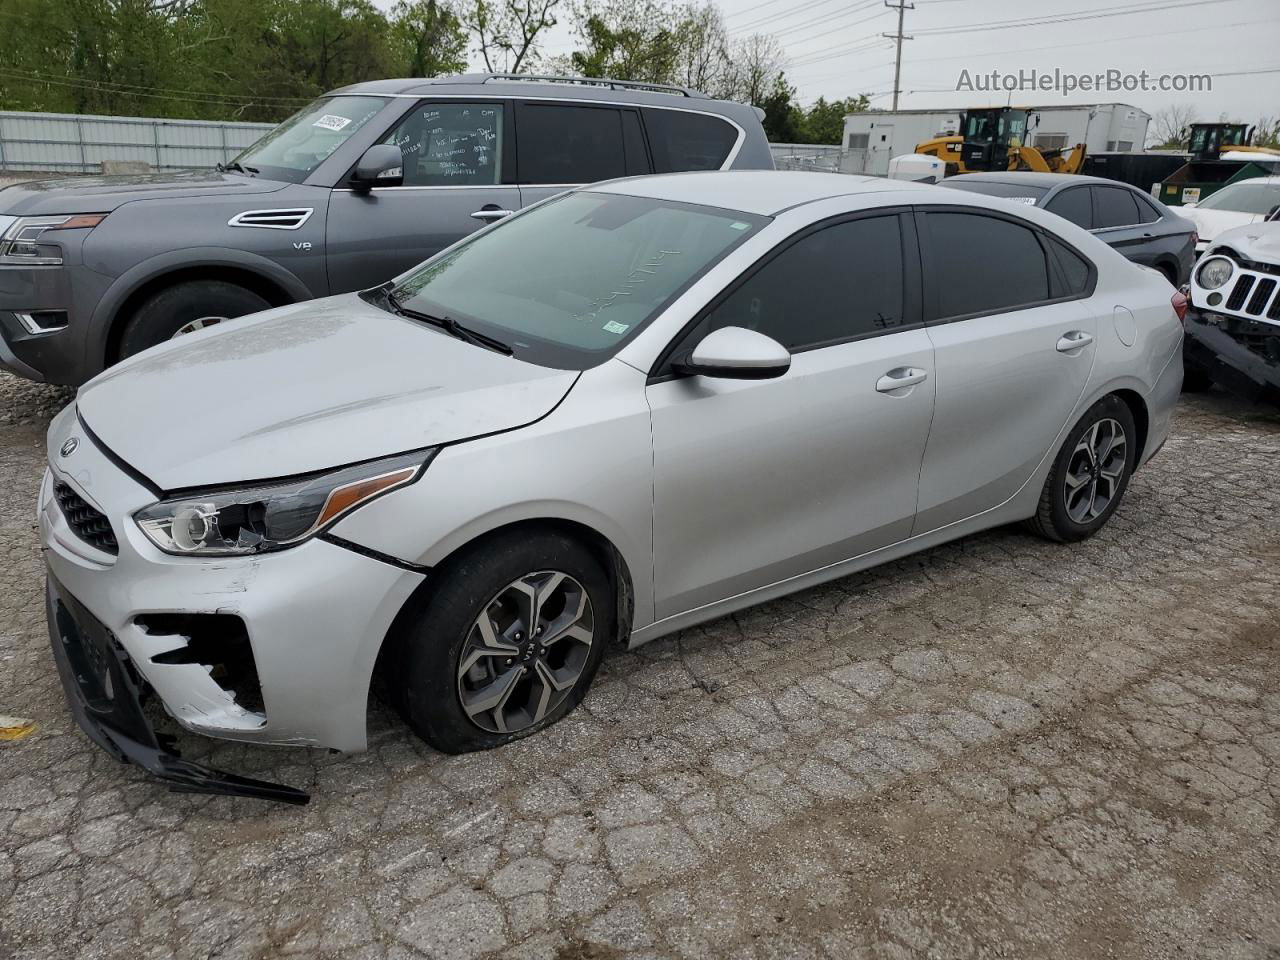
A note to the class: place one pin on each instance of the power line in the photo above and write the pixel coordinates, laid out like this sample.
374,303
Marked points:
823,18
825,34
1097,13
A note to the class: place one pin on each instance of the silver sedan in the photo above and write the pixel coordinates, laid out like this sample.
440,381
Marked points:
626,410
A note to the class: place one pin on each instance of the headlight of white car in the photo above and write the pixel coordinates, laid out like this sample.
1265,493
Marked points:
20,237
1214,272
274,516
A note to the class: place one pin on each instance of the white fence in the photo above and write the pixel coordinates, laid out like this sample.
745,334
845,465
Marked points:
807,156
75,143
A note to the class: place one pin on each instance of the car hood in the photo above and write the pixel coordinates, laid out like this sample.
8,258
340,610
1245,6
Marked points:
104,194
305,388
1210,223
1259,242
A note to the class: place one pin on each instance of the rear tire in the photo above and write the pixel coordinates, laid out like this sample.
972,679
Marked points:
1090,474
162,315
449,666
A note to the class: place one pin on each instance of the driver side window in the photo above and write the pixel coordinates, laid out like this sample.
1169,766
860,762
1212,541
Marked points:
450,144
835,284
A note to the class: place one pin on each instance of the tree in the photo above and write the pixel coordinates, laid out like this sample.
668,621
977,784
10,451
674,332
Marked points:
1267,133
507,30
782,117
758,61
430,38
629,41
1169,126
824,121
703,59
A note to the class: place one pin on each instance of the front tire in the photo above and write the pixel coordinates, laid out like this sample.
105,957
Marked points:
185,306
1089,475
506,643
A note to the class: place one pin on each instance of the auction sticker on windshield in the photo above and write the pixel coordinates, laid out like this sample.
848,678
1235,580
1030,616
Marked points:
330,122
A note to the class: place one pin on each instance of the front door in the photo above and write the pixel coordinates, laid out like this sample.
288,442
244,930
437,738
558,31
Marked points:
455,155
759,481
1013,352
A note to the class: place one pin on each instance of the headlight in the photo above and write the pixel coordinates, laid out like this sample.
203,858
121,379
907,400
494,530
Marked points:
275,516
1214,272
20,237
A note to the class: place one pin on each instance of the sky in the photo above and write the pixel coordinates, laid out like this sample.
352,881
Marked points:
833,49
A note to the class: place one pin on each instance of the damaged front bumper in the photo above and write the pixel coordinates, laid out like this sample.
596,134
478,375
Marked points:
275,649
1240,355
105,694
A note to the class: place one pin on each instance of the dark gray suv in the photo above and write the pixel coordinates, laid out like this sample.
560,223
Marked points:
352,190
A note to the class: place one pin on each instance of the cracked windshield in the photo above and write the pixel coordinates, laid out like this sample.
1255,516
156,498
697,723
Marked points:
566,284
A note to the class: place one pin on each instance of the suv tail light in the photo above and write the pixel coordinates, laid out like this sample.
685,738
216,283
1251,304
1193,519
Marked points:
1179,301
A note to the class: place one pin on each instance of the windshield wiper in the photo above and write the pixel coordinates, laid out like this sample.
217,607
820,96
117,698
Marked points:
237,166
450,325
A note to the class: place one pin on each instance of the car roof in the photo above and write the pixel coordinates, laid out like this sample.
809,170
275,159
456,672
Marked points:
763,192
1034,179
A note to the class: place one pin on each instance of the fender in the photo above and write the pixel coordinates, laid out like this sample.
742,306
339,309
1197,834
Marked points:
135,277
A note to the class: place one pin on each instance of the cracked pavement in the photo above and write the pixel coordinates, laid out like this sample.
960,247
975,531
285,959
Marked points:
998,748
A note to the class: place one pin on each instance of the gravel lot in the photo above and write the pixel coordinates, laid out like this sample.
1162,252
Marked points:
1000,748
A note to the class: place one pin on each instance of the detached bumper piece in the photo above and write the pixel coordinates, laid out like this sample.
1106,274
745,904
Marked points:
105,695
1242,356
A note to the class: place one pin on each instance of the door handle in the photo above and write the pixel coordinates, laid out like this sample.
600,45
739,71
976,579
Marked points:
1074,340
900,378
490,214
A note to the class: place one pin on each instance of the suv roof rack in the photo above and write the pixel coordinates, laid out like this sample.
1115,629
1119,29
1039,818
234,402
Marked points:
597,82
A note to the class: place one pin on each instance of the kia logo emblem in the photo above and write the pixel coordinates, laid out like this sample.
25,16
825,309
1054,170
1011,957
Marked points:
68,448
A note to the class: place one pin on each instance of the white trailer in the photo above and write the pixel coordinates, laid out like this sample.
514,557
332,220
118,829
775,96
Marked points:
871,138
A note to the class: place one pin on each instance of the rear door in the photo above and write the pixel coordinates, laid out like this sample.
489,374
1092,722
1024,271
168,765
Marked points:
458,175
1014,347
563,144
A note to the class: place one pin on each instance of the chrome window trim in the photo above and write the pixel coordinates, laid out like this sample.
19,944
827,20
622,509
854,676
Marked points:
569,101
238,219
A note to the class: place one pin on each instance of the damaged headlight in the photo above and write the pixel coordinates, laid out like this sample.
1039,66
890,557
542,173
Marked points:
272,516
1214,272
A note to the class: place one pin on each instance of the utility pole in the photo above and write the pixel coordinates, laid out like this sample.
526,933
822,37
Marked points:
902,7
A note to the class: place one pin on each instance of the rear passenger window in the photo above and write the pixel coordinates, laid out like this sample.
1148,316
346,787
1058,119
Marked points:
1147,210
1115,207
558,143
839,282
1073,205
983,264
1074,270
450,144
688,141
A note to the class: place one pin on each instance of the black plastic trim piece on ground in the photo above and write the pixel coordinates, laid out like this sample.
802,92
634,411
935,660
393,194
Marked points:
105,696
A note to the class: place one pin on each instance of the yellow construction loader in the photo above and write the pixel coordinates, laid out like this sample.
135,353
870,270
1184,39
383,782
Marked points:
993,138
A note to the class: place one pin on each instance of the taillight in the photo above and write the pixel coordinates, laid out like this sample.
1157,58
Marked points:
1179,301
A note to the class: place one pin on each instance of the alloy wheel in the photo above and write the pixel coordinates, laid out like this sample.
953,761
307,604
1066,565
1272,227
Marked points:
1095,471
525,651
197,324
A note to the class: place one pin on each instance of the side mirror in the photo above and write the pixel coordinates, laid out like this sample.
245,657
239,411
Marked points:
381,166
736,353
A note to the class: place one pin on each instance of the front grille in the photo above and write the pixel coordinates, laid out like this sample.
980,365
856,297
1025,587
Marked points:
1239,292
1261,294
85,522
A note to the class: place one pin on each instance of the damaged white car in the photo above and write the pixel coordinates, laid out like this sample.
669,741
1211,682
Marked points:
1233,326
